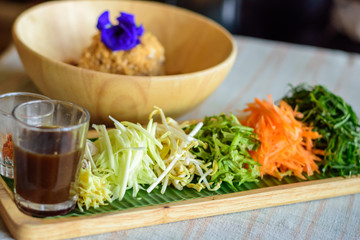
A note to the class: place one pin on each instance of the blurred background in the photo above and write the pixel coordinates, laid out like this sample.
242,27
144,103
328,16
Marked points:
331,24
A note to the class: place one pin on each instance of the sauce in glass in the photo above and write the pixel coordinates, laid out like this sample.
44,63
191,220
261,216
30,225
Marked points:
44,178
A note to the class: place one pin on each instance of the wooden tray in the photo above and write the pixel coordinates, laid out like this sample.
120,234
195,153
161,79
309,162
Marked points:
22,226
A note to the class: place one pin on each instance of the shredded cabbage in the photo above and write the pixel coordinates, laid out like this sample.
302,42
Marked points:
131,157
129,151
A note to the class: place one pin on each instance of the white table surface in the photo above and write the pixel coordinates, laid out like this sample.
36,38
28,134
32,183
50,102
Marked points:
261,68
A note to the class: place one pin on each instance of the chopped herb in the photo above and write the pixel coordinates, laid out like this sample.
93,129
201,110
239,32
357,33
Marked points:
336,121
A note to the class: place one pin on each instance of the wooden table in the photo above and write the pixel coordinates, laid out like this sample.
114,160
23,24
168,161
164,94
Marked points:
262,68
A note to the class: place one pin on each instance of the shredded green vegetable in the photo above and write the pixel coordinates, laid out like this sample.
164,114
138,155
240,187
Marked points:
129,153
133,157
226,146
335,120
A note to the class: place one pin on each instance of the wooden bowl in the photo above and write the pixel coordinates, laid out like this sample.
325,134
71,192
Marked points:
199,55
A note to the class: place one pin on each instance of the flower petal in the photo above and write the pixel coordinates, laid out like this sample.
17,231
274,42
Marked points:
103,21
140,30
123,36
126,17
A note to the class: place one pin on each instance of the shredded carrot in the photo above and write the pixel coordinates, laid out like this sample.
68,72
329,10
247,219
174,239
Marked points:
8,146
286,143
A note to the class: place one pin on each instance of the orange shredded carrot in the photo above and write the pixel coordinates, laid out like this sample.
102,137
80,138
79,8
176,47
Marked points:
8,147
286,143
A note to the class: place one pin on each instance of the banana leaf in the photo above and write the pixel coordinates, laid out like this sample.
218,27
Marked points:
173,195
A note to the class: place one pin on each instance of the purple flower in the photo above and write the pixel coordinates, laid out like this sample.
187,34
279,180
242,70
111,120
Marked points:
124,36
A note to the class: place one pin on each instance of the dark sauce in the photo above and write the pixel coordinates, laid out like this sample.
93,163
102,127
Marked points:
45,177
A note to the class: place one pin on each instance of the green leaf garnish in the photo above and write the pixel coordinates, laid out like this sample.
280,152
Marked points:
336,121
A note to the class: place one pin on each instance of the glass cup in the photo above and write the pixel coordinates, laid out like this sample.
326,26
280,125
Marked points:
49,140
8,102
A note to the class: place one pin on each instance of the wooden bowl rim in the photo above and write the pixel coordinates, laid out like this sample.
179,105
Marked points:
221,29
